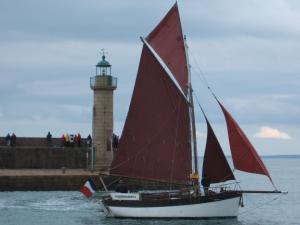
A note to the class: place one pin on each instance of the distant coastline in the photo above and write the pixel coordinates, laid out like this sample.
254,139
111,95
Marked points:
271,156
281,156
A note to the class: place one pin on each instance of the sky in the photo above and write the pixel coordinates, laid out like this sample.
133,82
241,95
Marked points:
247,51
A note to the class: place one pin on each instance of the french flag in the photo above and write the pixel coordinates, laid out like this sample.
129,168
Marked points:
88,188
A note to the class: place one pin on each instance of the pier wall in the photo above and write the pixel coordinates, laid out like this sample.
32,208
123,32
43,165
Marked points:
38,142
33,164
36,153
42,158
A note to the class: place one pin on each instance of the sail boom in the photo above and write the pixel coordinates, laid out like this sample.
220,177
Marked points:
262,192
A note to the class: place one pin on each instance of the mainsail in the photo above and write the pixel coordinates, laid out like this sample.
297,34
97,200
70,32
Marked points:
215,165
155,143
167,40
244,155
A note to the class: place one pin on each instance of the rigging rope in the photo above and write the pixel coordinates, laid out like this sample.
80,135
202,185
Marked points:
261,205
197,100
200,73
204,81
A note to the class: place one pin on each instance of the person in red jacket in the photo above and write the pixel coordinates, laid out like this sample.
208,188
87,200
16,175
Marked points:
78,139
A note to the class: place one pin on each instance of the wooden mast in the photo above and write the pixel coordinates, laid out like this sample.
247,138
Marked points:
193,130
192,112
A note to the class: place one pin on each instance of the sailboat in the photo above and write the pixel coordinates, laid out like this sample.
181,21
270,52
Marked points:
158,142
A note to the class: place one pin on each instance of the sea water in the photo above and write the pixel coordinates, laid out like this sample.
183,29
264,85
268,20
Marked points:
72,208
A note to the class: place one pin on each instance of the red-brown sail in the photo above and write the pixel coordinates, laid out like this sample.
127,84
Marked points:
167,40
215,165
244,155
155,143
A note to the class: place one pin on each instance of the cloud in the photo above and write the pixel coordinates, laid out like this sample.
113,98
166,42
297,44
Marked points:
246,54
77,19
122,20
269,132
239,20
271,108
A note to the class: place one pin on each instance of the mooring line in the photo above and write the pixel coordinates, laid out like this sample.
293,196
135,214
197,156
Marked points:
259,206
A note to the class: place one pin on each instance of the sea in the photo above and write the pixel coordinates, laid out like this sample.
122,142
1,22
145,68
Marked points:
72,208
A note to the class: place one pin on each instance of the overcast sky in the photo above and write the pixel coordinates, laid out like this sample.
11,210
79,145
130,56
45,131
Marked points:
249,52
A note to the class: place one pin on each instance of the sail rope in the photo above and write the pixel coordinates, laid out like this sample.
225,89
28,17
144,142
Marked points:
114,181
199,71
261,205
204,81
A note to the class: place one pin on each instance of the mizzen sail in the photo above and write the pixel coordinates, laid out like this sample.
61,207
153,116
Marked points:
244,155
155,143
167,40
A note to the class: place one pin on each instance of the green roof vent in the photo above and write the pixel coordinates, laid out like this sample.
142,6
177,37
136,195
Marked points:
103,67
103,63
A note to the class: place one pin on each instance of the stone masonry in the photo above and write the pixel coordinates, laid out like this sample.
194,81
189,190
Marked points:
103,121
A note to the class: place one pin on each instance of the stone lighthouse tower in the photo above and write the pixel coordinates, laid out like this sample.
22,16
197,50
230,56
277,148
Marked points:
103,85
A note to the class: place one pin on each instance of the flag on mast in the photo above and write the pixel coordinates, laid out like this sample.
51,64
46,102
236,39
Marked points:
89,188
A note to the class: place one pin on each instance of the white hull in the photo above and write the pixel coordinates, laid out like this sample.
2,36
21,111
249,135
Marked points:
221,208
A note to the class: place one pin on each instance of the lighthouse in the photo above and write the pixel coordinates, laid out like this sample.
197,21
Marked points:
103,85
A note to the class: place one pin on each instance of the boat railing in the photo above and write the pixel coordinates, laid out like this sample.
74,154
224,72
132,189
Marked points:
185,193
189,193
233,186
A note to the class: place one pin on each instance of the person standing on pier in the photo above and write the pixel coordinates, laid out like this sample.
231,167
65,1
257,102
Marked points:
13,139
49,138
8,139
